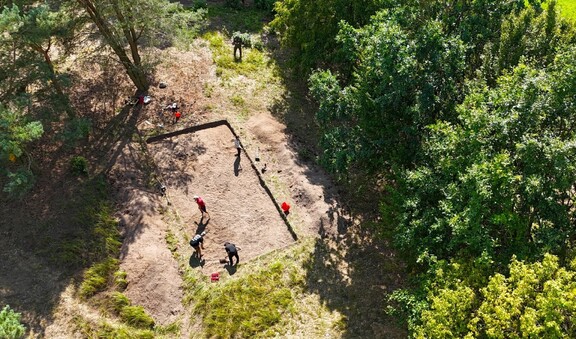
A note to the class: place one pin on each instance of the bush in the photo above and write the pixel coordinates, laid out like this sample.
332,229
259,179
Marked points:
10,326
245,37
79,165
233,3
19,182
77,129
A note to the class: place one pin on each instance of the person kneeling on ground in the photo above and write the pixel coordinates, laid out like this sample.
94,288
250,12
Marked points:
232,251
198,243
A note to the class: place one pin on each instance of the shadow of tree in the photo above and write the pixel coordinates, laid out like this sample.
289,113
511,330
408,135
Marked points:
182,151
353,275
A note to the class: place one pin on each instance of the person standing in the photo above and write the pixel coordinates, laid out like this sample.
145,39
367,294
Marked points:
232,251
198,243
238,146
201,206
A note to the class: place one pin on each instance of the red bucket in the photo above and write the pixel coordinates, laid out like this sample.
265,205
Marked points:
285,207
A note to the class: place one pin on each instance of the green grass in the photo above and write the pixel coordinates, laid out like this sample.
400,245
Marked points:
172,242
97,277
107,330
252,59
134,316
120,280
250,305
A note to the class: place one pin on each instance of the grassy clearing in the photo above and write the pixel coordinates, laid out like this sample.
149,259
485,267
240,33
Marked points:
226,67
266,298
251,305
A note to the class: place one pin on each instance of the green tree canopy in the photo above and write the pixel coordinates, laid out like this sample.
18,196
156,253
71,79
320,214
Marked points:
534,300
501,181
402,81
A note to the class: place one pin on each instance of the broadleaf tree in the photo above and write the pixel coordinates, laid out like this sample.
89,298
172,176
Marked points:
501,180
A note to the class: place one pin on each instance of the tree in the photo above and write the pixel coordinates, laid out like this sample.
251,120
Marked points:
532,35
127,25
501,180
310,27
534,300
403,80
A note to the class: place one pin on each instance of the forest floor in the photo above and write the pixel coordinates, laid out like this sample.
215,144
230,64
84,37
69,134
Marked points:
347,272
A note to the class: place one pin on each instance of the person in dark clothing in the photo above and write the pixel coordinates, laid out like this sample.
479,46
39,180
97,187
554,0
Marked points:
232,251
198,243
237,42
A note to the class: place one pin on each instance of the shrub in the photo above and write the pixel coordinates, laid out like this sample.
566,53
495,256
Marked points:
233,3
10,326
77,129
19,182
79,165
245,37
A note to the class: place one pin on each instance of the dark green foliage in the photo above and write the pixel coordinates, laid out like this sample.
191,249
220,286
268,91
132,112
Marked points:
310,27
77,129
244,37
79,165
16,134
265,4
501,181
10,326
234,3
402,82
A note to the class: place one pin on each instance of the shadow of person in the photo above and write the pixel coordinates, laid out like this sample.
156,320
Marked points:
201,226
237,166
231,269
195,261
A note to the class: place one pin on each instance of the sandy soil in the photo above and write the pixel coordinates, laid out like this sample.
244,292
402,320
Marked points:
204,163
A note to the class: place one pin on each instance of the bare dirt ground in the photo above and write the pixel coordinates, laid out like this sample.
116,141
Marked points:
204,163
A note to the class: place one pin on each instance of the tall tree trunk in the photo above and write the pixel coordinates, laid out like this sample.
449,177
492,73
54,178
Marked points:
133,68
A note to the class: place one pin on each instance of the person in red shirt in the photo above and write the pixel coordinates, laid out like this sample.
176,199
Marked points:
201,206
177,116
